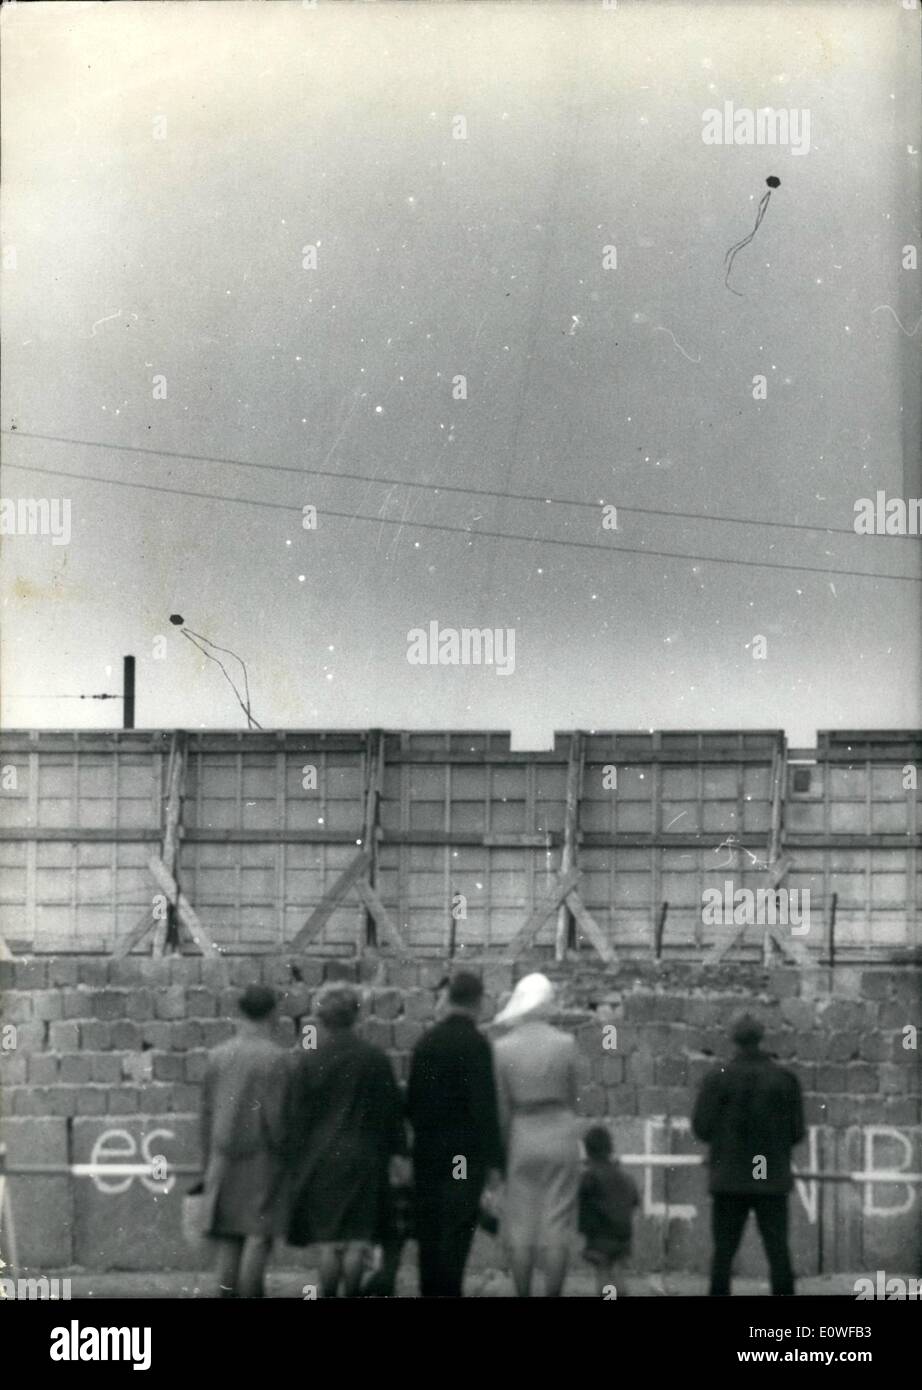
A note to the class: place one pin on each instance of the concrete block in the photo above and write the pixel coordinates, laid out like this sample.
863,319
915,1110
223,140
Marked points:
214,1031
195,1065
170,1003
201,1002
30,1037
137,1067
108,1005
784,984
187,1099
93,971
157,1035
16,1006
168,1066
47,1005
107,1208
96,1037
43,1207
875,1047
799,1013
61,970
127,971
862,1079
276,971
387,1003
640,1069
829,1079
92,1100
402,974
139,1005
310,970
243,971
30,972
591,1100
62,1100
43,1069
126,1035
105,1068
14,1067
63,1037
187,1035
670,1071
187,970
157,1099
876,984
417,1004
124,1100
75,1069
341,970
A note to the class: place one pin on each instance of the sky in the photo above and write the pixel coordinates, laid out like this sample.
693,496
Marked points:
179,371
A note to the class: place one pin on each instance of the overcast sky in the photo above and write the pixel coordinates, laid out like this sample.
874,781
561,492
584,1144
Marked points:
166,165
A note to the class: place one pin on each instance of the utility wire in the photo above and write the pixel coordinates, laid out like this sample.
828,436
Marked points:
428,487
462,531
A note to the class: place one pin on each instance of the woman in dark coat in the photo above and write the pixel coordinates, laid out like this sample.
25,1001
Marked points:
346,1123
244,1101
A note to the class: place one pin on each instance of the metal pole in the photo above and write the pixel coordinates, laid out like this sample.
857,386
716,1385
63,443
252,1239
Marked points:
128,692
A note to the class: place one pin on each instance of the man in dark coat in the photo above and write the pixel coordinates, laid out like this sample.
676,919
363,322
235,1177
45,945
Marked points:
750,1112
244,1097
345,1125
452,1107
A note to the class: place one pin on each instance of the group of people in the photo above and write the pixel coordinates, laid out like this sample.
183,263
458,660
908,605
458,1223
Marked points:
320,1147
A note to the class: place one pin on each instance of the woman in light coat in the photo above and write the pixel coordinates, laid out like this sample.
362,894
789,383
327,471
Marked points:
536,1075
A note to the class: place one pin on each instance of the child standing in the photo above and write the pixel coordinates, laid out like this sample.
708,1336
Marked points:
607,1198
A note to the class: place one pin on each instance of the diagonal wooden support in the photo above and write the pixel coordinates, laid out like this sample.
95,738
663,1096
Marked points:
543,910
590,928
570,835
137,933
184,910
355,869
176,777
380,913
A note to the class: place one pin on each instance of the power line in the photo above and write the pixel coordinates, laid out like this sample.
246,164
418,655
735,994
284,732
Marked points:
462,531
384,481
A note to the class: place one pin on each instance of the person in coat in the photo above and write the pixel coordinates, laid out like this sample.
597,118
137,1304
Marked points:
608,1198
457,1151
750,1112
345,1125
536,1075
244,1098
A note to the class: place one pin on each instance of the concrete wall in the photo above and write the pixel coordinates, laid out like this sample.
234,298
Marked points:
101,1060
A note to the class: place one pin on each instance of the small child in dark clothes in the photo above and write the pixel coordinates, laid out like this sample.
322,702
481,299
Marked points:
607,1198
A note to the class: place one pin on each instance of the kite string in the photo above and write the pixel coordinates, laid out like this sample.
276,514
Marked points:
227,651
734,250
251,720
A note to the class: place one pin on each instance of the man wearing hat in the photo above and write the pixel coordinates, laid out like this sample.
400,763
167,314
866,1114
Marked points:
750,1112
452,1106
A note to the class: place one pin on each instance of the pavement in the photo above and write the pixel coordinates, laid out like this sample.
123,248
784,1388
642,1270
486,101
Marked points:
480,1283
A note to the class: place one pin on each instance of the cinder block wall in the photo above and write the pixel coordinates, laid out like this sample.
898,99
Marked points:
105,1057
